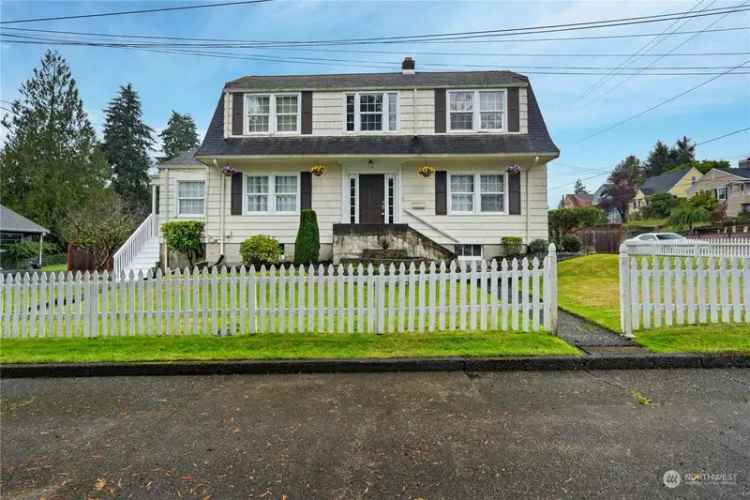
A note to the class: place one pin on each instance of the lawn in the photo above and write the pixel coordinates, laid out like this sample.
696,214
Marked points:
55,268
279,346
589,287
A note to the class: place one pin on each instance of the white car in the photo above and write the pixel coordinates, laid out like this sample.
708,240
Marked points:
662,239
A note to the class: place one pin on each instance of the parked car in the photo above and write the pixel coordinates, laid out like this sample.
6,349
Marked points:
663,239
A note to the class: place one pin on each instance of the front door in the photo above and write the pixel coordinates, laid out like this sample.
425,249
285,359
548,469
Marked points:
371,199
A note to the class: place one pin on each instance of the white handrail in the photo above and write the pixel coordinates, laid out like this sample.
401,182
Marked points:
125,255
431,226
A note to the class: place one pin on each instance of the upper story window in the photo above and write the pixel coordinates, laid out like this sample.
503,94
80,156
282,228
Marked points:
272,193
476,193
476,110
272,113
191,197
372,112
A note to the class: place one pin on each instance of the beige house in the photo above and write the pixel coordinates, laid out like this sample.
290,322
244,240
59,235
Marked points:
675,182
436,161
730,186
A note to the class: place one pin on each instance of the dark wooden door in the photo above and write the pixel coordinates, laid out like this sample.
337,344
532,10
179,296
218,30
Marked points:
371,199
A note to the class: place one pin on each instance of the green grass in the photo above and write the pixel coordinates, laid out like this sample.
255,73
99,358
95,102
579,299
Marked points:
589,287
279,346
55,268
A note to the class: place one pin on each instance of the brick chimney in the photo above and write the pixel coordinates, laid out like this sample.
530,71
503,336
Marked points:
407,67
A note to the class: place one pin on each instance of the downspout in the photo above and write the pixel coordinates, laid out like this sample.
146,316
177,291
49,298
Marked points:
526,201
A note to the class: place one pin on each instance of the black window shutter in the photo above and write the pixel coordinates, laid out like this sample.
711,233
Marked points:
441,192
237,114
514,114
514,190
157,201
307,112
439,111
305,190
236,194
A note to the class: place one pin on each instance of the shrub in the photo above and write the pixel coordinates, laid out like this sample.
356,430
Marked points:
562,220
538,247
260,250
570,243
185,236
307,244
512,245
659,206
26,249
742,218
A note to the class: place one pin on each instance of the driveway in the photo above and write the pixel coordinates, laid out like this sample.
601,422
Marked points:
417,435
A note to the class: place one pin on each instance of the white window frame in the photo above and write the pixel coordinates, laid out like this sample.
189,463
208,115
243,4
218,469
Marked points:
476,122
272,114
476,198
180,198
271,193
470,257
387,95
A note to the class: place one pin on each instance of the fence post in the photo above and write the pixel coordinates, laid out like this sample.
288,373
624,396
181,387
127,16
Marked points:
552,254
626,324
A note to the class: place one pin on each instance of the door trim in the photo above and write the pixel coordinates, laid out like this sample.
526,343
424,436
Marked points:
353,173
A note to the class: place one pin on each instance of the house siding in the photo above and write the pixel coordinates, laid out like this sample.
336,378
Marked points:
683,186
416,113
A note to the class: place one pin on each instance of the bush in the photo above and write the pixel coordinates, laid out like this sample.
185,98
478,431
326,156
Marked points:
659,206
307,244
185,236
562,220
260,250
538,247
512,245
742,218
26,249
570,243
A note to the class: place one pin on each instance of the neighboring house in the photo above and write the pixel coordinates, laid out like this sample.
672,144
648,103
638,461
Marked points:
576,200
675,182
438,162
730,186
744,163
15,227
597,199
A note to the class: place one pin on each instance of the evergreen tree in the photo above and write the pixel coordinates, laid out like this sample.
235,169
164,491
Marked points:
50,162
127,142
683,152
622,185
179,136
659,160
580,188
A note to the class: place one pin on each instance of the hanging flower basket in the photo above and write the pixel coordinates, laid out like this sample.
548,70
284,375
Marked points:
514,169
426,170
318,169
229,171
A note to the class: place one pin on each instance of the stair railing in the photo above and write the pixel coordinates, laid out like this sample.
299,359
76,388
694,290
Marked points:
129,250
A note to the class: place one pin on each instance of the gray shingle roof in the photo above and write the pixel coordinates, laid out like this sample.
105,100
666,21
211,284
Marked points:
13,222
740,172
664,182
537,140
182,159
357,81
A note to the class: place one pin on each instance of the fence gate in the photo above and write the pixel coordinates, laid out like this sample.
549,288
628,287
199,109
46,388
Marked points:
666,285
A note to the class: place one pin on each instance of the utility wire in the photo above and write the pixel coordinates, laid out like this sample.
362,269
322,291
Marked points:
501,32
127,12
735,132
664,102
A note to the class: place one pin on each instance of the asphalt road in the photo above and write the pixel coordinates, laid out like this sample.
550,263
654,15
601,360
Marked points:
420,435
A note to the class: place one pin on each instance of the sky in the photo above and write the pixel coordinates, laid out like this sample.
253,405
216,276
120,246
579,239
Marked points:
572,110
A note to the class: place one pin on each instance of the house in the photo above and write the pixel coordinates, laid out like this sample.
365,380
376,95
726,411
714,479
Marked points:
675,182
576,200
434,163
730,186
597,199
15,227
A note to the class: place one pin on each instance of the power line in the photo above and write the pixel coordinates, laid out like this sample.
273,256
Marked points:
127,12
664,102
734,132
498,32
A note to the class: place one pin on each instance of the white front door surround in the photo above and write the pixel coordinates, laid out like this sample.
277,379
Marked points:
351,195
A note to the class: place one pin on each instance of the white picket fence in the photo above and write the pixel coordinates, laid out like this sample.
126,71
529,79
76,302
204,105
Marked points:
518,295
664,285
707,247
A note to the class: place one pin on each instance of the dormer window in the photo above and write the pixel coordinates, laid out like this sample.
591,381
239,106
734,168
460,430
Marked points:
272,113
476,110
372,112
